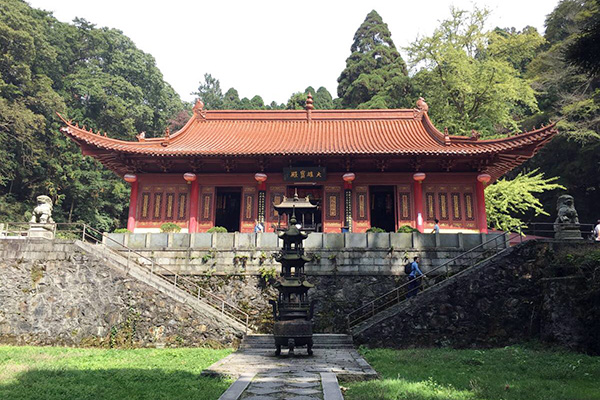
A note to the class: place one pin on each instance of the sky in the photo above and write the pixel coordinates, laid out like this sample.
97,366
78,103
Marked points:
271,48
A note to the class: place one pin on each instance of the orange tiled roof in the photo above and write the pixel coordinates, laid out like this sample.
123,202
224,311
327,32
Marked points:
311,132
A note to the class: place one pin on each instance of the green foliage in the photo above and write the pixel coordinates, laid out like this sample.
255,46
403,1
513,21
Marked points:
507,200
375,75
169,227
406,229
375,229
584,49
472,78
95,76
572,97
217,229
77,373
122,230
515,373
266,274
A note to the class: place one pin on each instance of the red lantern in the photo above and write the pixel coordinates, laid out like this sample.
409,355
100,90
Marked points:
348,177
131,178
484,178
189,177
260,177
419,176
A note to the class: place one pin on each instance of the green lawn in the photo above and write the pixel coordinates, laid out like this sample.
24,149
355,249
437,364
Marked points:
512,373
50,373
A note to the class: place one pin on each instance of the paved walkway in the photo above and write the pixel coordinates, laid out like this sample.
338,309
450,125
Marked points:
264,376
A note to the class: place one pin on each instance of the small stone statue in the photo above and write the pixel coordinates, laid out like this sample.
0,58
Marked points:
42,213
566,225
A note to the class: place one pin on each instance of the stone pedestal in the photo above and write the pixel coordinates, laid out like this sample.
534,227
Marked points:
567,232
37,230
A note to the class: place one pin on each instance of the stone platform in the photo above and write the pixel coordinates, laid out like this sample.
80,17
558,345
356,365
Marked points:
261,375
344,361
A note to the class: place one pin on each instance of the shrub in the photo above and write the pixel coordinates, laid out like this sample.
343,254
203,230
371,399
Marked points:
217,229
122,230
374,229
169,227
406,229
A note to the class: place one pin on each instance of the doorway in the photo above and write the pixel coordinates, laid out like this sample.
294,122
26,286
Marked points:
382,208
311,220
228,208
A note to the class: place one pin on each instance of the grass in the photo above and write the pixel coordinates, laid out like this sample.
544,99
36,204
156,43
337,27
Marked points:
511,373
64,373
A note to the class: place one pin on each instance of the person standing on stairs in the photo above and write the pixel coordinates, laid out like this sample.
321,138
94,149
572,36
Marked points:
414,278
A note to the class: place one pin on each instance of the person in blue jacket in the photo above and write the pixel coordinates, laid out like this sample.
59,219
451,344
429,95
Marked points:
414,278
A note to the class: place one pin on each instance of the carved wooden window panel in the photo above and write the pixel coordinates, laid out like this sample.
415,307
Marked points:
182,206
443,199
332,206
157,206
456,208
170,206
430,206
206,213
145,209
361,207
404,198
469,212
248,207
276,198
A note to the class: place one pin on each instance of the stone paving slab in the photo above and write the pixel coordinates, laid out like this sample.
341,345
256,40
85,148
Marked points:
286,390
345,363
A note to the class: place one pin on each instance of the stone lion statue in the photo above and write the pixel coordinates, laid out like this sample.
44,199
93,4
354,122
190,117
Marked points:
566,210
42,213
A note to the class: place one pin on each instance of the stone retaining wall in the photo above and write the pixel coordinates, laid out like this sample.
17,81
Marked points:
340,254
533,293
53,294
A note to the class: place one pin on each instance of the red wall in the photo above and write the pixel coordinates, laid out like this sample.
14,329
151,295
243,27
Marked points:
449,197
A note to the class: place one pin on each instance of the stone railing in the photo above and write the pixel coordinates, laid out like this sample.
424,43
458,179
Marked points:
333,253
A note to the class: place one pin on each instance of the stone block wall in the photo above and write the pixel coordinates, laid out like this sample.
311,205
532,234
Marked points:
513,298
53,294
333,253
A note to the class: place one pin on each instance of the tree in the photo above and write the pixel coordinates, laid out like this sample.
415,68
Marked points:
472,78
507,201
375,75
570,96
323,99
210,93
95,76
584,49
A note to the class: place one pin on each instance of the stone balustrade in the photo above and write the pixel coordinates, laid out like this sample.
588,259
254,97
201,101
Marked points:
333,253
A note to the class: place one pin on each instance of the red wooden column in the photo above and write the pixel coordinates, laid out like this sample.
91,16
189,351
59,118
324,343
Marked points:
348,178
418,178
482,180
132,179
191,178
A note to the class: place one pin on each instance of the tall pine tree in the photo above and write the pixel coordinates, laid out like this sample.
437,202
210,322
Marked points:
375,75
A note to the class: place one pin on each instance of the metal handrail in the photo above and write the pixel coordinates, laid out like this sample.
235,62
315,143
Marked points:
87,232
397,295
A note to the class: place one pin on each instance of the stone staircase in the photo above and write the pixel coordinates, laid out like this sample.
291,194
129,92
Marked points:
320,341
134,269
430,291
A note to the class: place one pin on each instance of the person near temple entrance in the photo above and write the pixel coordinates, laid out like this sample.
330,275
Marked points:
414,278
258,227
436,227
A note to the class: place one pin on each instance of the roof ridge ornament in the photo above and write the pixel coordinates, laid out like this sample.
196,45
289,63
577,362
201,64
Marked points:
475,135
199,110
422,108
309,105
446,137
165,142
141,137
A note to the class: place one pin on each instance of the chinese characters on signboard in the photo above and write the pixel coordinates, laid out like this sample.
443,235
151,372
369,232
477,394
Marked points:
304,174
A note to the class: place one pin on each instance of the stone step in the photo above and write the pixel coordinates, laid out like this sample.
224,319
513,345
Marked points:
140,273
320,341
